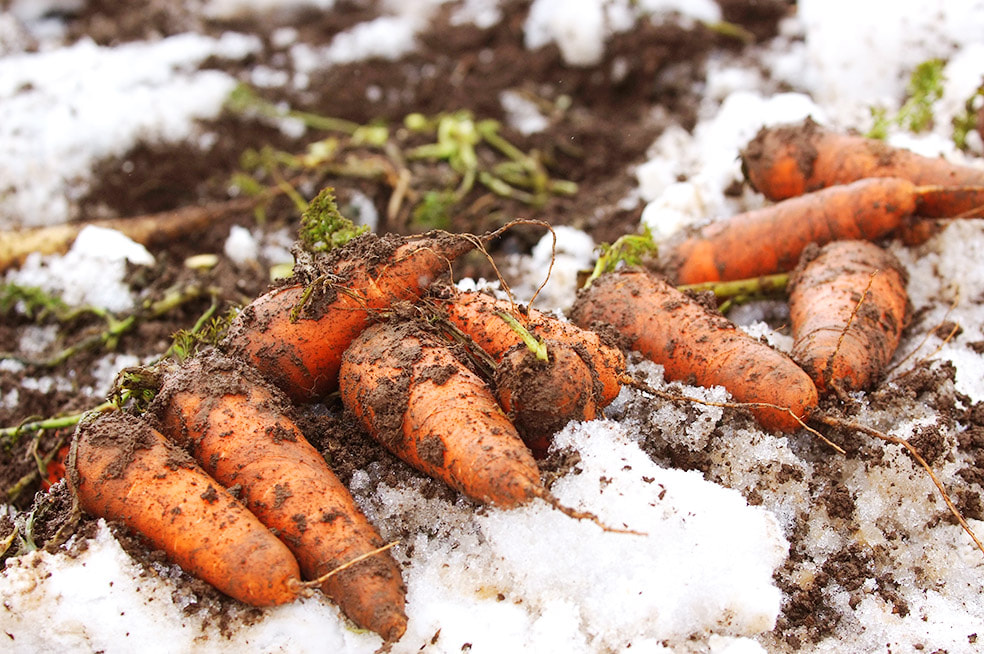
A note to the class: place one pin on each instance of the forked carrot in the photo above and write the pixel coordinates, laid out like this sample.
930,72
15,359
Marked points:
789,160
771,239
577,376
237,427
415,397
295,335
120,468
847,308
696,345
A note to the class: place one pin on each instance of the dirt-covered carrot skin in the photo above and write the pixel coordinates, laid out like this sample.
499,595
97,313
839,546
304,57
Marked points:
697,345
295,335
476,315
578,378
120,468
237,427
847,308
790,160
410,392
771,239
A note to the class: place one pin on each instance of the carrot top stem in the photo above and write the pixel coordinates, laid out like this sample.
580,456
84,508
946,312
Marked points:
738,288
537,346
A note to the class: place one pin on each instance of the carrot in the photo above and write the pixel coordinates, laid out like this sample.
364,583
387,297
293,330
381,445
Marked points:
771,239
120,468
847,307
238,428
697,345
790,160
415,397
295,335
578,376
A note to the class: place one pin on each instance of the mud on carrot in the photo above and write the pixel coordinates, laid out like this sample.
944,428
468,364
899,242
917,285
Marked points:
574,379
695,344
239,429
847,305
121,468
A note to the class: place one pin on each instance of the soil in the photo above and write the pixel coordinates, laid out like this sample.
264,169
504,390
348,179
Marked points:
601,121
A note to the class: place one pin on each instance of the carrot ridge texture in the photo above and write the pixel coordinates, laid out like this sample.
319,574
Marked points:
579,378
238,428
120,468
411,393
301,353
696,345
847,308
771,239
789,160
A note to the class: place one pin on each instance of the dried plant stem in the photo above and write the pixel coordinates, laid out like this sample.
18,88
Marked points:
148,229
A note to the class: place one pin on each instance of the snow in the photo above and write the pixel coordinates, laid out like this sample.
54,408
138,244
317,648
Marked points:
60,111
700,574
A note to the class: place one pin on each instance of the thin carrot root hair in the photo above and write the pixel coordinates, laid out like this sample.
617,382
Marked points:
640,385
548,497
832,422
316,583
914,453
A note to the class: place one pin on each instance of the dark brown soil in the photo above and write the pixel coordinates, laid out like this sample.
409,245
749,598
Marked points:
600,124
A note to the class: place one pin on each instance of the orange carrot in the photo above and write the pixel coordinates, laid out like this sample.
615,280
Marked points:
847,307
579,377
120,468
238,428
295,335
771,239
790,160
415,397
696,345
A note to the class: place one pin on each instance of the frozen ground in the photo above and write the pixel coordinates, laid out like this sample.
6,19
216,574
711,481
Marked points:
711,571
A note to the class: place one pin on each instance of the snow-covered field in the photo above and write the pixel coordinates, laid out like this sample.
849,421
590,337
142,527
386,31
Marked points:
703,577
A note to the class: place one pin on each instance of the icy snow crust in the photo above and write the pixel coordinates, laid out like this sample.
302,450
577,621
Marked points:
699,576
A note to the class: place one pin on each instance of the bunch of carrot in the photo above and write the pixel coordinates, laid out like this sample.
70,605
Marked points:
848,302
221,422
828,186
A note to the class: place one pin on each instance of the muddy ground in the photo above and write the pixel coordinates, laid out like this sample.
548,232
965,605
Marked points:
602,120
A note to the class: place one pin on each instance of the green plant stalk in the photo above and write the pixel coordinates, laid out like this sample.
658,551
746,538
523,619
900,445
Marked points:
60,422
628,248
742,288
537,347
118,328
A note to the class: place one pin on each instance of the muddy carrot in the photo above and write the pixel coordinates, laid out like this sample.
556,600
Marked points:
415,397
697,345
120,468
238,427
295,335
575,378
847,308
771,239
790,160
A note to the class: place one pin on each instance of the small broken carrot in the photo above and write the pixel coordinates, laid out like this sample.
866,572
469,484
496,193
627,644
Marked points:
577,377
847,307
771,239
120,468
238,427
413,395
785,161
295,334
697,345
